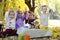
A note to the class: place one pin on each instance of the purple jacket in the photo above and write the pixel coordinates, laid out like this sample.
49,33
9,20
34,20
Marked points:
20,21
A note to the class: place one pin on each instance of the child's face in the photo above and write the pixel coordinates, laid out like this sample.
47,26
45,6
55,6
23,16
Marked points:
44,9
11,15
20,14
30,16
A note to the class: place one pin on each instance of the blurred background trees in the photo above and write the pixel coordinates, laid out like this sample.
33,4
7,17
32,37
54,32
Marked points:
29,4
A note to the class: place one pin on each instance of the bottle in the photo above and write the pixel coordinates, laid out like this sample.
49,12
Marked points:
26,37
20,37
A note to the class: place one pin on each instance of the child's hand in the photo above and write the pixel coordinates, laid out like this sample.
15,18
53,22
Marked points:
32,22
27,16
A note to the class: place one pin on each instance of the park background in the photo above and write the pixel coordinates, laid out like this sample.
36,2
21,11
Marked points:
32,5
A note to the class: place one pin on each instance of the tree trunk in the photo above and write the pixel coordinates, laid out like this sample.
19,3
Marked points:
4,6
0,0
28,3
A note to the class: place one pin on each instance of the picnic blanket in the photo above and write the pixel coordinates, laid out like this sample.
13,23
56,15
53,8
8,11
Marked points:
35,33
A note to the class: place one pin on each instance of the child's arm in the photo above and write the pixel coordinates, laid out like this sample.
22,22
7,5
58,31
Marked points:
24,16
27,16
33,20
6,17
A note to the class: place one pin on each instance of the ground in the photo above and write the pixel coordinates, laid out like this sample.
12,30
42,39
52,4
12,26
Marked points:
33,39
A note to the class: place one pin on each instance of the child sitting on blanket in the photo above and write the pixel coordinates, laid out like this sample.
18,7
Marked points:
10,23
20,20
31,19
43,17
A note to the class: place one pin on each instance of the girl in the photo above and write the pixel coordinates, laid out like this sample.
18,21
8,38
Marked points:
6,14
30,19
10,23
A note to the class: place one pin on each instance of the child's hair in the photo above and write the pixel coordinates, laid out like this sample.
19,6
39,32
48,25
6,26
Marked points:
44,6
19,12
11,12
31,13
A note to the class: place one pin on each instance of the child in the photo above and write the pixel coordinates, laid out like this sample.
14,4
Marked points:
20,20
43,17
6,14
10,23
30,18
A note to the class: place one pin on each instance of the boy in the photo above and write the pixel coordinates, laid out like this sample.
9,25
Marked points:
43,17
